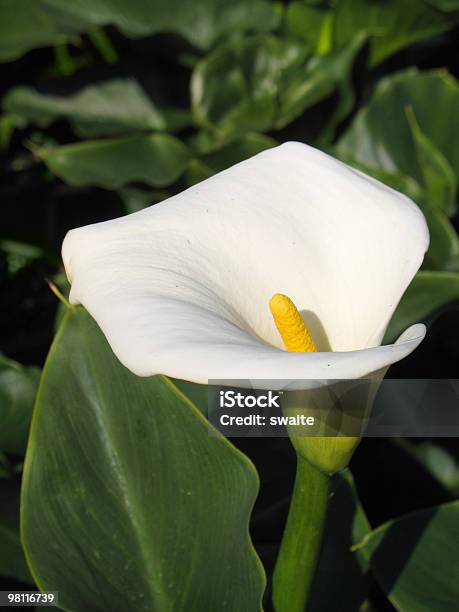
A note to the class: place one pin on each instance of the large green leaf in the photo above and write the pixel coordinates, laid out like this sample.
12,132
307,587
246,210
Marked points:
202,22
157,160
443,253
427,292
110,107
337,66
18,387
12,560
26,24
198,394
128,503
415,559
439,179
236,88
381,136
262,83
391,25
306,22
409,142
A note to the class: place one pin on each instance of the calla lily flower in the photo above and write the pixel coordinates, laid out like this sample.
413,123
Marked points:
183,288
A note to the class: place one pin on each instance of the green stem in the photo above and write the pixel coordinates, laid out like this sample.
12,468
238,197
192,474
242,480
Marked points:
301,542
103,44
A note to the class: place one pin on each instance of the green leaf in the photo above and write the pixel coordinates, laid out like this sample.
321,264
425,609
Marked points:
392,24
265,82
20,254
235,89
338,565
12,560
388,143
305,22
439,178
322,76
158,160
415,559
337,65
25,25
410,143
112,107
176,118
427,292
201,22
18,387
196,172
197,394
443,253
128,503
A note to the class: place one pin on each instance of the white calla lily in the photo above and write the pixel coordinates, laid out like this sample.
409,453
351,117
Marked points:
182,288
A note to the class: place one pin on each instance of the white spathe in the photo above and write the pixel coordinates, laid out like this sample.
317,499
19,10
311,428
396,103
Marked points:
182,288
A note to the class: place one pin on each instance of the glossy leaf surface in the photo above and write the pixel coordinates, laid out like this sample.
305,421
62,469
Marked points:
404,557
127,502
157,160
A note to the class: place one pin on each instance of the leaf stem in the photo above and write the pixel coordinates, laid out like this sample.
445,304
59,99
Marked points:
103,44
301,542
